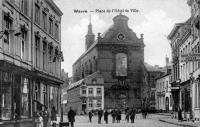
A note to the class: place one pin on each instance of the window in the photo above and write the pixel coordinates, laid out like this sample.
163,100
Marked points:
90,91
56,32
90,62
5,95
44,55
37,14
23,42
99,103
50,26
36,89
50,49
82,72
25,98
44,94
98,91
24,7
90,104
37,47
84,91
121,64
53,98
167,86
7,22
44,20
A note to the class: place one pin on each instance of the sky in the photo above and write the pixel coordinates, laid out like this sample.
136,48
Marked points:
155,19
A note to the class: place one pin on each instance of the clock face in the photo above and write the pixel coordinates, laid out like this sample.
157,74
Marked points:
121,36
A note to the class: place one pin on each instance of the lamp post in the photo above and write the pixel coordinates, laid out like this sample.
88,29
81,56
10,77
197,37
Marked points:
179,85
3,32
191,96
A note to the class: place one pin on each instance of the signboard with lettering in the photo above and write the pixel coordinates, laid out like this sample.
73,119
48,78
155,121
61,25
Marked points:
190,57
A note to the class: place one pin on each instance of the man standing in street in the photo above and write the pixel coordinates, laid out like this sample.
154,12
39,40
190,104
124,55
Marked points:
132,115
100,114
113,114
71,116
90,116
106,116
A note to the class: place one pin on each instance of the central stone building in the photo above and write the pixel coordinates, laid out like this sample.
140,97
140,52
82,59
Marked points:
118,55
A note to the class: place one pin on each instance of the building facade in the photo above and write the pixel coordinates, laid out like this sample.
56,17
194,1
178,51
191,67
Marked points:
30,62
86,94
181,42
119,55
163,93
153,72
185,50
194,76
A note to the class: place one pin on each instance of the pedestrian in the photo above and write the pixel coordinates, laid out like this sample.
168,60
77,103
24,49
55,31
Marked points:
118,116
45,116
53,117
113,114
90,114
106,116
71,116
39,122
180,115
132,115
127,113
100,114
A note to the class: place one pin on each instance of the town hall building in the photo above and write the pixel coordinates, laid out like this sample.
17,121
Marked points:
118,56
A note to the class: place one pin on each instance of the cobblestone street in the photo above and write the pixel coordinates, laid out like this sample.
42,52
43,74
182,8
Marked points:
151,121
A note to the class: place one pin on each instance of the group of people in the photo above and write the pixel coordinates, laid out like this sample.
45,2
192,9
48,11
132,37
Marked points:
116,115
42,117
101,113
130,114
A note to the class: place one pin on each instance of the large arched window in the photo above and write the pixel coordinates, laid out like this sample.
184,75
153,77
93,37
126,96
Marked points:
121,64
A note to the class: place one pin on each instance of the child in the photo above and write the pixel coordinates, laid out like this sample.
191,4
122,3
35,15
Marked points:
40,120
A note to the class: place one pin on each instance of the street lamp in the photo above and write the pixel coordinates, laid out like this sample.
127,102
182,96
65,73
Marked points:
9,31
179,85
191,104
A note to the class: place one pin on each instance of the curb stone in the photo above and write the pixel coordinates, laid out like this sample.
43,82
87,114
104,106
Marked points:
179,124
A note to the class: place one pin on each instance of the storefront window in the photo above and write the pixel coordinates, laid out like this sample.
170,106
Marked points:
25,98
16,96
44,94
54,97
5,95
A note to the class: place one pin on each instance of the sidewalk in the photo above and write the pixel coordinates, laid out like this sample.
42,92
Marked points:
164,114
183,123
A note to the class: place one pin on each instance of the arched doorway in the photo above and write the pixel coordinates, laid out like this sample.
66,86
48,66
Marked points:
122,100
167,104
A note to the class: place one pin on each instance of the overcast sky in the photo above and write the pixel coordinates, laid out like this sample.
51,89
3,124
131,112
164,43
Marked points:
155,20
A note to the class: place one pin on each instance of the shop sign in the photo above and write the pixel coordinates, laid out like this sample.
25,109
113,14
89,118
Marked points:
190,57
175,88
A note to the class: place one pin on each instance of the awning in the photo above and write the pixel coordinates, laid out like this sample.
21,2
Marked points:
75,84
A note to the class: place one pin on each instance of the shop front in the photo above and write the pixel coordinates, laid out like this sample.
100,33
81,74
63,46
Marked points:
15,96
24,93
186,99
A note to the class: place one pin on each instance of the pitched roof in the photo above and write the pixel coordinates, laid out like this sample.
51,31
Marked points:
153,68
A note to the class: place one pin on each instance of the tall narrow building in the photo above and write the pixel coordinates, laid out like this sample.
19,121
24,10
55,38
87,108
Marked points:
30,62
